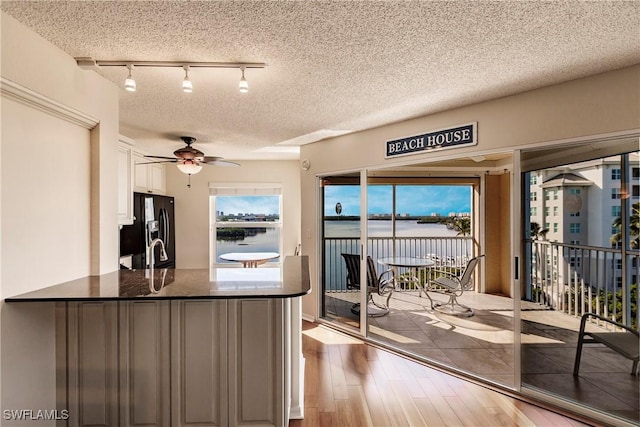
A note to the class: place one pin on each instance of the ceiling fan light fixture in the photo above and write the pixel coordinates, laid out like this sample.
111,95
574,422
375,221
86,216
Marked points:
243,85
189,167
187,86
130,83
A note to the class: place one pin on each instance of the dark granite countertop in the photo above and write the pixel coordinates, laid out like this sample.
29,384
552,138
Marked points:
290,280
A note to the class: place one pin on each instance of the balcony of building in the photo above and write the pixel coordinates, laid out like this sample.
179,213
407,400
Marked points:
563,283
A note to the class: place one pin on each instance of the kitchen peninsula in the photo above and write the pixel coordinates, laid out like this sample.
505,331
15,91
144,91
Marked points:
180,347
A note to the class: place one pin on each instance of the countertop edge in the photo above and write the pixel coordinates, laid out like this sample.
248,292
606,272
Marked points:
295,269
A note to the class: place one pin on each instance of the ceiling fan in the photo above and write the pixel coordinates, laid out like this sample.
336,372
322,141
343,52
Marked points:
189,160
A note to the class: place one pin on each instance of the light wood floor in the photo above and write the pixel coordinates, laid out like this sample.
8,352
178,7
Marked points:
351,383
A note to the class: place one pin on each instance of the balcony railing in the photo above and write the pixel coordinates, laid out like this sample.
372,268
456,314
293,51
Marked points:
577,279
445,251
572,279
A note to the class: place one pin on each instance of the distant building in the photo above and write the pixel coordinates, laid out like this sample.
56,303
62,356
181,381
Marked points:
577,206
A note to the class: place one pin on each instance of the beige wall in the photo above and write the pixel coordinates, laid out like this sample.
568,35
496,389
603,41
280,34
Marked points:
192,204
58,199
600,104
498,234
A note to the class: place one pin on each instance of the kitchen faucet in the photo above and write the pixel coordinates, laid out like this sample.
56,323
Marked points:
163,253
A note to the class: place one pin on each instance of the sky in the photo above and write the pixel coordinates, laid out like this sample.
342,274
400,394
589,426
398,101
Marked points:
248,204
417,200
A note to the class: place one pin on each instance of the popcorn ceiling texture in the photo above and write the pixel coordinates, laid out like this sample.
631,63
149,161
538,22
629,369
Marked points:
332,65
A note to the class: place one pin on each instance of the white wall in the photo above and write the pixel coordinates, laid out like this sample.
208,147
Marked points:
192,204
600,104
58,199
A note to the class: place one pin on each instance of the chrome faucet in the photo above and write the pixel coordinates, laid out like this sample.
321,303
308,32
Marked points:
163,253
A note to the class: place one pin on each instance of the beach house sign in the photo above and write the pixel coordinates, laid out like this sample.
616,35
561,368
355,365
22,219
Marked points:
458,136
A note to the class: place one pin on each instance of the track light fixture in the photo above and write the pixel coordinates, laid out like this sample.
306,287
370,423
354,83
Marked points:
187,85
243,85
130,83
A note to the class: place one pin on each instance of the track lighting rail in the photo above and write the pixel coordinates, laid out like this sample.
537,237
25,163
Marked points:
89,63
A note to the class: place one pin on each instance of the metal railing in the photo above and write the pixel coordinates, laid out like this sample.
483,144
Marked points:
578,279
445,251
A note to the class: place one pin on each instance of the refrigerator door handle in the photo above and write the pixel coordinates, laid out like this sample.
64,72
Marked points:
164,219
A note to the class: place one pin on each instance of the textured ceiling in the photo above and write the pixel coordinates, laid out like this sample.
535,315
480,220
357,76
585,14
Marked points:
332,66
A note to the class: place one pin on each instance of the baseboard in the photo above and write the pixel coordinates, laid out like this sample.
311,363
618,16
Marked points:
297,412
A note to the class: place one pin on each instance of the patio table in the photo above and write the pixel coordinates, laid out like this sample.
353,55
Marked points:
250,259
413,264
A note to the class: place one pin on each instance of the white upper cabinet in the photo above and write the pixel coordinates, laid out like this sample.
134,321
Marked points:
125,180
148,177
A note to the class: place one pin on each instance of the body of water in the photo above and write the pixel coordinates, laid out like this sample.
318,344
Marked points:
382,228
434,241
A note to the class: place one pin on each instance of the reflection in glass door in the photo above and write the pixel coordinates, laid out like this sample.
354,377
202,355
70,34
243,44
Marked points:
582,256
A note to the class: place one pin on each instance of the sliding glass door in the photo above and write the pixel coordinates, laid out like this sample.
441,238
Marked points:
582,259
341,249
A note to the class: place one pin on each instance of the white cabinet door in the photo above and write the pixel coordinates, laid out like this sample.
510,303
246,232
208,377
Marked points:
199,363
140,173
125,184
148,177
157,178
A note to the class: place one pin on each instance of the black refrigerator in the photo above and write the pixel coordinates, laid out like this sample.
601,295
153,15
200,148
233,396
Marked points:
153,219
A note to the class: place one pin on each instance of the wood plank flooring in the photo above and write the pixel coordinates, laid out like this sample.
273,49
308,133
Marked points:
351,383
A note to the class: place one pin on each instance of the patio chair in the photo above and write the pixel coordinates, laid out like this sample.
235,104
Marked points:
378,284
625,342
453,283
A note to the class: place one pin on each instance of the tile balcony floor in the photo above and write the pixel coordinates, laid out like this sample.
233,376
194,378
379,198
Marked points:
483,346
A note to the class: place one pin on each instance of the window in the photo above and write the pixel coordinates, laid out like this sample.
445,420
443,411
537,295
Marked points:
547,211
574,214
574,228
247,218
574,262
555,211
615,193
533,211
635,173
555,227
575,242
635,191
533,180
534,196
616,211
616,174
618,264
555,194
574,191
547,194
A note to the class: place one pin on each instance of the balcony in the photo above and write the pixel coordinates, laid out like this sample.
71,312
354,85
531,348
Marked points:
565,282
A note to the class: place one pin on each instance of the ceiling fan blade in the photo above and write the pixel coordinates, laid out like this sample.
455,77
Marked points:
160,157
158,161
218,161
